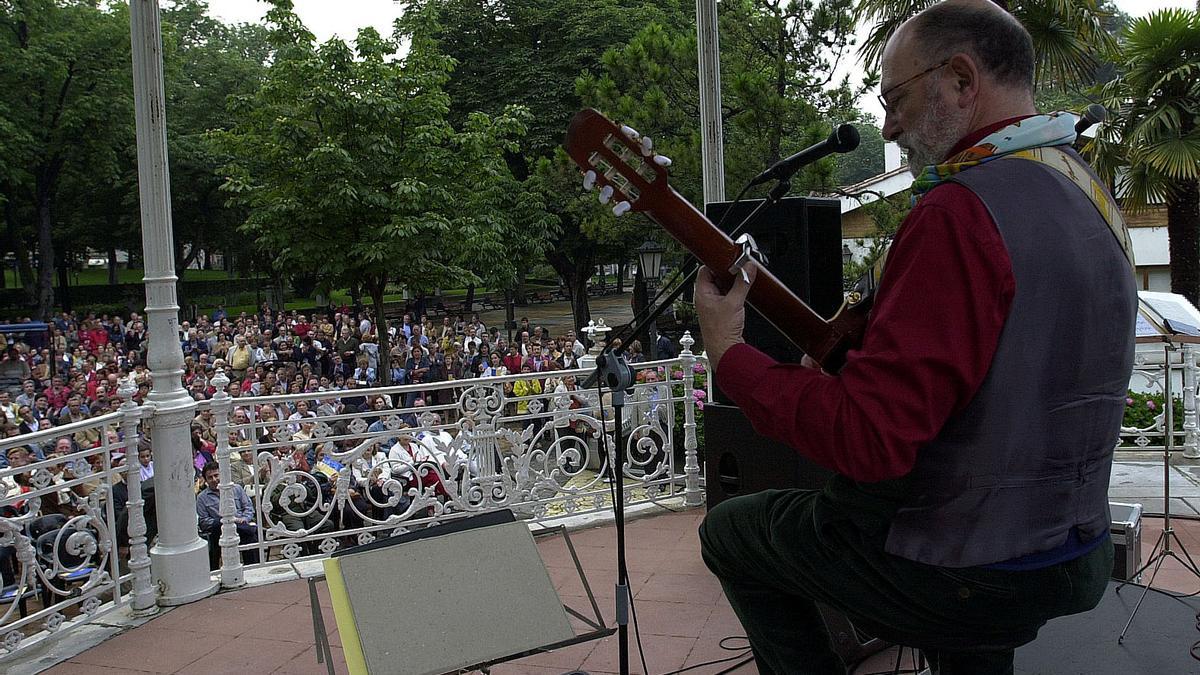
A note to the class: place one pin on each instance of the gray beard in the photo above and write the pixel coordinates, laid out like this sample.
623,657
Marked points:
938,132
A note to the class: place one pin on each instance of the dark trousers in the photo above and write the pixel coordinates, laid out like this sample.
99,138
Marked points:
779,552
247,533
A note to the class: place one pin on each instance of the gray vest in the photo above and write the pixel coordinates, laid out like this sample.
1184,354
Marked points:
1030,456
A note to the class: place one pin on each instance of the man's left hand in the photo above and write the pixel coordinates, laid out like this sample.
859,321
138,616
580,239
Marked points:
722,314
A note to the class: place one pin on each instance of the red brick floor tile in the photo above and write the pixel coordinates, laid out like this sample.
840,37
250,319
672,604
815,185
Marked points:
151,648
671,618
671,587
305,663
226,615
245,655
722,623
71,668
663,653
294,624
281,593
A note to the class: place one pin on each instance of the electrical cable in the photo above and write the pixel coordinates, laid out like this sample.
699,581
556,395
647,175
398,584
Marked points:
743,657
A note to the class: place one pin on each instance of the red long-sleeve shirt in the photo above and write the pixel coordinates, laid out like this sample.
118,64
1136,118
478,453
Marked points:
942,302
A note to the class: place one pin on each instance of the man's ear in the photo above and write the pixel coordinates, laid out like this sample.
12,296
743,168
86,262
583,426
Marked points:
965,75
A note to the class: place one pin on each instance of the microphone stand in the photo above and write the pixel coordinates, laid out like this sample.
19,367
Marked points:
613,371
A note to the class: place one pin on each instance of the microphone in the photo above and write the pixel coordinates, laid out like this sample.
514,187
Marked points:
1093,114
843,139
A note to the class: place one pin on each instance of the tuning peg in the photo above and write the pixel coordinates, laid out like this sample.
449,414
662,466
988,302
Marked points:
662,160
630,132
647,146
589,180
621,208
606,194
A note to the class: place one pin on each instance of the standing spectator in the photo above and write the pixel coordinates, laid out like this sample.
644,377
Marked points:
240,357
13,371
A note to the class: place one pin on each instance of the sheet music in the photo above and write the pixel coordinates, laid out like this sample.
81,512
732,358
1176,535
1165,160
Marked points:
1166,313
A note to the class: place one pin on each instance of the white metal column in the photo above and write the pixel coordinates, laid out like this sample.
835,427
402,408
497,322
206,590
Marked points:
712,147
179,560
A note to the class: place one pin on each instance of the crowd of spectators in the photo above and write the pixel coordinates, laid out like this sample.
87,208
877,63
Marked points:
73,374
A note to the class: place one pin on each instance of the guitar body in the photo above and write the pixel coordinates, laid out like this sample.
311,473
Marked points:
612,158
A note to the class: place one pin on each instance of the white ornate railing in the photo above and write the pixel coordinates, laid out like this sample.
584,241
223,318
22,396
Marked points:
475,445
1149,375
72,530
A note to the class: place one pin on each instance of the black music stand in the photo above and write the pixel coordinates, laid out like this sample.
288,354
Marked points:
1154,328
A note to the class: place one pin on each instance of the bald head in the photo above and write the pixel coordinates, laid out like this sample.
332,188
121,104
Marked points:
993,38
959,66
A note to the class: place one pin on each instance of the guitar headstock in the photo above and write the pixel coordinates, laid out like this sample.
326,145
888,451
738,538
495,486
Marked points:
618,158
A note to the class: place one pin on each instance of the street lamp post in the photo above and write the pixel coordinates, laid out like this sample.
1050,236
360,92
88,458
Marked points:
650,262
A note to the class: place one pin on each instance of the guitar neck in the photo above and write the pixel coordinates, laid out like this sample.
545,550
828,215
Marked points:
769,296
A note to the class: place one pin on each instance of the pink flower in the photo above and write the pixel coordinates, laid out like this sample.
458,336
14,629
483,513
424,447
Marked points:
677,375
698,368
699,394
700,405
1150,404
1128,401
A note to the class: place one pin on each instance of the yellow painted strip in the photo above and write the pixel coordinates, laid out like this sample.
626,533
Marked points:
352,649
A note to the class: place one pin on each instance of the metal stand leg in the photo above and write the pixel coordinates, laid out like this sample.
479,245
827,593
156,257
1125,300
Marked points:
320,638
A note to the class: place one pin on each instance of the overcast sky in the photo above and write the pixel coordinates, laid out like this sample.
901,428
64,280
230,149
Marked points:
326,18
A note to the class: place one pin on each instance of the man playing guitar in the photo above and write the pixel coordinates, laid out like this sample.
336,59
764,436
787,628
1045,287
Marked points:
972,431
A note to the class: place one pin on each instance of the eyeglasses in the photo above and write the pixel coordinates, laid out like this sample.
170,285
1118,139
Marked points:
883,101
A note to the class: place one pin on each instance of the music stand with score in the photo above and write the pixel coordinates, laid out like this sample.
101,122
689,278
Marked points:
1170,320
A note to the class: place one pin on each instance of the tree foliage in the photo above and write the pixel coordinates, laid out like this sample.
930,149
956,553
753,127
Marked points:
1150,148
1070,40
66,109
349,168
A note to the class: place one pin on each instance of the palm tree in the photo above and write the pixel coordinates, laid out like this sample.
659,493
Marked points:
1069,37
1150,149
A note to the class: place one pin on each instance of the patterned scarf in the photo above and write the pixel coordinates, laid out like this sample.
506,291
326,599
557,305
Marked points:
1057,128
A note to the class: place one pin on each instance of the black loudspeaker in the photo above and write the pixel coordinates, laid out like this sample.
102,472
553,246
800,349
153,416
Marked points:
802,240
737,461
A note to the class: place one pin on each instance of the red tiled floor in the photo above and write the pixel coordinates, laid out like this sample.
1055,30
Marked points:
247,654
152,649
682,614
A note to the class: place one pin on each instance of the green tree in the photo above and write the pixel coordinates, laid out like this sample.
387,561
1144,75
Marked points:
350,170
777,63
866,161
1150,148
207,63
65,107
529,52
1070,40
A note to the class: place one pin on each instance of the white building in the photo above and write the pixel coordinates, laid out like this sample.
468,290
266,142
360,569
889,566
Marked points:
1148,230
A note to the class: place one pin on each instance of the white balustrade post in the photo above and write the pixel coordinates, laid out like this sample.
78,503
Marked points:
143,599
692,494
179,557
232,574
1191,440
